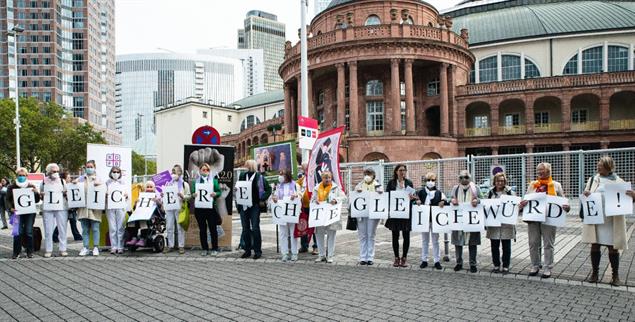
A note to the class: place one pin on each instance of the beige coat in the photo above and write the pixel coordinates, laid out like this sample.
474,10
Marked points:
619,225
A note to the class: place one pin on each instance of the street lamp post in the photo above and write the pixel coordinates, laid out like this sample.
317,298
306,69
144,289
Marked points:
145,146
14,32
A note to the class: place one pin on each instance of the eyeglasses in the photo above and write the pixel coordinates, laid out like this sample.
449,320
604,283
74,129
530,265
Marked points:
400,170
431,180
205,170
116,172
464,177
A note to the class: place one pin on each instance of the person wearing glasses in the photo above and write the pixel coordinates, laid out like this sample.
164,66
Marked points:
116,217
54,182
429,195
503,235
465,192
400,183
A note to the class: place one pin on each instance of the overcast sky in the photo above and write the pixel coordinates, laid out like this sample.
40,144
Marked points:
186,25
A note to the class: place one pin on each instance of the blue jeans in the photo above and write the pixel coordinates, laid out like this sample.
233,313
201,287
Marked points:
88,225
250,221
26,228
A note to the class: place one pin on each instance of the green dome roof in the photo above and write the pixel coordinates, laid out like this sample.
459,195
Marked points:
336,3
260,99
496,21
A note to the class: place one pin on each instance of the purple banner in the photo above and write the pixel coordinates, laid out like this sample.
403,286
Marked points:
161,179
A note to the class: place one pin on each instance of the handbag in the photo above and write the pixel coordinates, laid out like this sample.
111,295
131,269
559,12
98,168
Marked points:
581,214
351,223
184,216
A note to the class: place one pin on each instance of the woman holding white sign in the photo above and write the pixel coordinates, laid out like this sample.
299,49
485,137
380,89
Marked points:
207,218
429,195
54,207
366,227
539,232
90,218
287,188
400,183
172,216
503,235
612,233
465,192
26,220
116,217
327,191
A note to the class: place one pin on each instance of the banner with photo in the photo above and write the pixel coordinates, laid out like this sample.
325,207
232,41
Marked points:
273,157
108,156
325,156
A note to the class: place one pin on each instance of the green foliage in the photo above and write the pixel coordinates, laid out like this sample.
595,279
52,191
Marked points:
138,165
48,134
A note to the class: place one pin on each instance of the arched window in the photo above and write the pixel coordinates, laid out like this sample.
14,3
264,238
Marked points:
374,88
571,68
372,20
592,60
618,59
510,67
488,69
531,70
249,121
280,113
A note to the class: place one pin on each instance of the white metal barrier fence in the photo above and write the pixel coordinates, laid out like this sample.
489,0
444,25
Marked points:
570,168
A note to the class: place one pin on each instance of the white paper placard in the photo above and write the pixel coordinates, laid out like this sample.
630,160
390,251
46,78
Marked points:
204,199
144,207
116,196
286,211
455,217
96,197
440,219
420,218
473,218
24,201
399,205
378,205
53,198
333,213
508,211
171,199
359,204
592,210
76,195
536,207
317,214
243,194
556,216
491,209
616,202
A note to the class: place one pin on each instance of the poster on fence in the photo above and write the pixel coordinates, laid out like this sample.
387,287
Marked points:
592,210
273,157
325,156
617,202
421,218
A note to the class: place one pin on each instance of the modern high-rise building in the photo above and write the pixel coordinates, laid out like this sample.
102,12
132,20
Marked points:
66,55
262,30
320,5
145,82
253,64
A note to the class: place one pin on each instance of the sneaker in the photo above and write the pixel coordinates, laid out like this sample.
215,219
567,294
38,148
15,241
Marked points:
458,267
63,254
29,255
294,258
257,256
320,259
120,251
546,273
496,270
245,255
204,253
369,263
141,243
132,242
15,256
315,251
533,271
83,252
95,251
423,265
285,257
47,255
329,260
437,265
181,250
505,271
113,251
213,253
473,269
363,263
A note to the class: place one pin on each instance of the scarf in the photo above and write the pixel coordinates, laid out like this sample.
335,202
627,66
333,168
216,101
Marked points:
551,189
323,192
612,176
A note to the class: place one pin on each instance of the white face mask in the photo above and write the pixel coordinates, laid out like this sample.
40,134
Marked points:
430,184
116,176
55,175
175,177
281,179
368,179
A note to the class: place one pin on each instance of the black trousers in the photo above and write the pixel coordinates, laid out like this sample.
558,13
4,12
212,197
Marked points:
507,252
395,242
207,220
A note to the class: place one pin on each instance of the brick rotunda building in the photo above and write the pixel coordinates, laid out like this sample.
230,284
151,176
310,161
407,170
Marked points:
485,77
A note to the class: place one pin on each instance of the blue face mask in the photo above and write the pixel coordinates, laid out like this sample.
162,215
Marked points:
21,179
90,171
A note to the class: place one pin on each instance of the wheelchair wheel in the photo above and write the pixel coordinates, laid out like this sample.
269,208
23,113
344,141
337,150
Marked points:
159,244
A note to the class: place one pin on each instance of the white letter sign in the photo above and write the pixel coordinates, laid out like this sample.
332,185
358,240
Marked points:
24,201
204,199
592,210
317,214
536,207
491,210
421,218
508,211
171,200
359,204
473,220
243,194
286,211
399,205
116,196
144,207
556,216
76,196
441,219
378,205
96,198
616,202
53,198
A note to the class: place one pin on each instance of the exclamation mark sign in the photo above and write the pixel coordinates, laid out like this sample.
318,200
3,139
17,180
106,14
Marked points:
618,200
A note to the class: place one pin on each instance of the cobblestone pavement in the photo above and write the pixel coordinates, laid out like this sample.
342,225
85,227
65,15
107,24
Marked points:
146,286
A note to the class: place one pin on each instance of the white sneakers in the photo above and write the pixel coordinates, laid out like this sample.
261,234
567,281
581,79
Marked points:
213,253
285,257
83,252
329,260
320,259
294,258
95,251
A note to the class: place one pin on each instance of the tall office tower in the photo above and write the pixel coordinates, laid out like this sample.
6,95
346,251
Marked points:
262,30
146,82
252,61
319,6
66,54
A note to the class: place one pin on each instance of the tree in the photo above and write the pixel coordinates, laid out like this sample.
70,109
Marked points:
138,165
48,133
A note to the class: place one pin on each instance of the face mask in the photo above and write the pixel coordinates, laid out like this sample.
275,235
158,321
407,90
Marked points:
175,177
368,179
116,176
55,175
281,179
204,175
21,179
90,171
430,184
